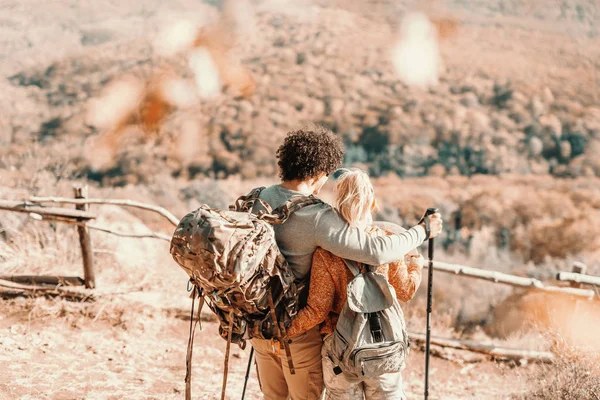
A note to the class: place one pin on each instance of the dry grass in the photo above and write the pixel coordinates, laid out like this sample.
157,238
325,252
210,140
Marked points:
573,376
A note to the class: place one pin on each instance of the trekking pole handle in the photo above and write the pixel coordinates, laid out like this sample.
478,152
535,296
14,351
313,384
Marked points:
430,211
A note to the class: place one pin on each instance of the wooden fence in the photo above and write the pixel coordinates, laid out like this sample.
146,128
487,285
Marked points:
81,217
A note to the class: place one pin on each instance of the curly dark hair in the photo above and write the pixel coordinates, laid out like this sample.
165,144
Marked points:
305,153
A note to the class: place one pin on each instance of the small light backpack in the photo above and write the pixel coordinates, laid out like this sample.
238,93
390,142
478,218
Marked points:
370,337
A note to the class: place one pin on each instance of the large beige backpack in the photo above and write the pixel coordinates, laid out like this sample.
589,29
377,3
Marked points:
235,265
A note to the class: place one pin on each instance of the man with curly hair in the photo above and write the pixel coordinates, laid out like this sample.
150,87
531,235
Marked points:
306,159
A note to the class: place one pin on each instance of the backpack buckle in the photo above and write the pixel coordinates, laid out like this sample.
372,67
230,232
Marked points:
377,336
375,327
193,289
276,347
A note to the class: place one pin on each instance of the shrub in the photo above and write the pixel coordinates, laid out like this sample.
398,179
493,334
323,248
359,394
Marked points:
578,142
570,377
374,141
355,154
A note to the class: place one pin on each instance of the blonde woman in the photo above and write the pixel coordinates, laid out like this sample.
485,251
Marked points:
355,200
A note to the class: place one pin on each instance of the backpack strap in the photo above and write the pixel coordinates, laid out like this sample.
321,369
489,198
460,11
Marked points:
246,203
196,292
302,286
354,267
373,317
281,334
284,211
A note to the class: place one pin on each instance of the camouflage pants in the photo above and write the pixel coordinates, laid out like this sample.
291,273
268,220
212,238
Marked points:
351,387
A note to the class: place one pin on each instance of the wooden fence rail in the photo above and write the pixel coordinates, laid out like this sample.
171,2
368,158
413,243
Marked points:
506,353
124,203
578,278
44,279
11,288
512,280
51,212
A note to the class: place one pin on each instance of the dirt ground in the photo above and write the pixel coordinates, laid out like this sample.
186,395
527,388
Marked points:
130,342
137,351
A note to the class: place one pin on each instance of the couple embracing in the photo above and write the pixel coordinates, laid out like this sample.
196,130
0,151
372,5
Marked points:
318,241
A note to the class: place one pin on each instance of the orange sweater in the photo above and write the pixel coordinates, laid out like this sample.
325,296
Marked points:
327,294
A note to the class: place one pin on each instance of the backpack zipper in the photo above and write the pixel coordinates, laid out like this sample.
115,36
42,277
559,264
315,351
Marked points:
356,352
381,356
375,357
339,334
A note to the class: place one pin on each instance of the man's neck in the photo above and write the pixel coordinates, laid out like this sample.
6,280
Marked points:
303,187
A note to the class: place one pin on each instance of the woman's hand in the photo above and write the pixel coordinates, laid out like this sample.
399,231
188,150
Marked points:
435,225
414,260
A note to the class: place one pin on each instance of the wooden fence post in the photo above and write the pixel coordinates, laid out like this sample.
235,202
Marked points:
81,192
578,268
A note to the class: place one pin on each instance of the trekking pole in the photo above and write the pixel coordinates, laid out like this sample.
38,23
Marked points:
430,211
247,372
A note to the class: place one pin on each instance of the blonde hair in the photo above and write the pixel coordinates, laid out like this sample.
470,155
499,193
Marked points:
355,196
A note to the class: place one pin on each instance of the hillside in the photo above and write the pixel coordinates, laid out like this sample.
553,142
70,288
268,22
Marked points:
518,93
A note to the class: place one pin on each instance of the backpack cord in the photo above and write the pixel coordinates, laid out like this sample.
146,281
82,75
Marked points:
246,203
281,214
188,359
281,334
226,366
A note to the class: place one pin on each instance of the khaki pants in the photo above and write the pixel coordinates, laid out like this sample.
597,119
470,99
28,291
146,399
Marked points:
351,387
276,381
